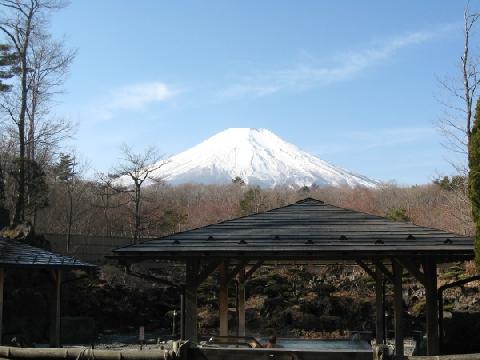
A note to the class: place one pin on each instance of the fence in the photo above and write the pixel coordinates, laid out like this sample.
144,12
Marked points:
89,248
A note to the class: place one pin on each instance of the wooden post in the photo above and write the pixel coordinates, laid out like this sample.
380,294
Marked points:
56,311
431,306
440,322
385,321
2,282
241,302
380,306
237,313
398,308
182,314
191,315
223,300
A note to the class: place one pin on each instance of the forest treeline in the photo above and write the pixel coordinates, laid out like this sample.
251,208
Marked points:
93,208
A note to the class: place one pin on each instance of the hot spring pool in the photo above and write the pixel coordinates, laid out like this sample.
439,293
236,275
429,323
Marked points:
319,344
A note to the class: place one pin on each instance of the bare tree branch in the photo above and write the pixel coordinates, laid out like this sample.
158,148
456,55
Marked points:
130,176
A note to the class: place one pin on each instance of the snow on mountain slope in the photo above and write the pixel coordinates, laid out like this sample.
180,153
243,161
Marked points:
259,157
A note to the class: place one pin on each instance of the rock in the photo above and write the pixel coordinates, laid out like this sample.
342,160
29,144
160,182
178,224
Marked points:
18,232
25,233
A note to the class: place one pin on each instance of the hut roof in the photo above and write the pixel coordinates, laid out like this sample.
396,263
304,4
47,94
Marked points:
14,253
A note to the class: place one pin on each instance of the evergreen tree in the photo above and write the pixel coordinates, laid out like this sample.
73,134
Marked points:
454,183
397,214
304,190
35,182
252,201
65,168
171,220
238,180
4,213
8,60
474,178
66,174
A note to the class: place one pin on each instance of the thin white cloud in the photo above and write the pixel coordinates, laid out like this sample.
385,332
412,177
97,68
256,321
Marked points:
347,65
138,96
376,138
392,136
135,97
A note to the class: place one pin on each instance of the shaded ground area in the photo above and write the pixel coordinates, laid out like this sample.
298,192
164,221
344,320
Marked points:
310,302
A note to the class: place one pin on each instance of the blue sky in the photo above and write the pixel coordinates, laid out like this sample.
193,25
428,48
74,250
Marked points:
353,82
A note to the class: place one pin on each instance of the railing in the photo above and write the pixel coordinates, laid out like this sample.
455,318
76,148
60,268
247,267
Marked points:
447,357
89,248
246,341
82,353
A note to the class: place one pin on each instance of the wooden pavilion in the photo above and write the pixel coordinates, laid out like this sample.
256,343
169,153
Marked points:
309,231
16,255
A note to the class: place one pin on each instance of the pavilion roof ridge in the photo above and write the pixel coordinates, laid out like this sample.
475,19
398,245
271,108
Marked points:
223,221
335,222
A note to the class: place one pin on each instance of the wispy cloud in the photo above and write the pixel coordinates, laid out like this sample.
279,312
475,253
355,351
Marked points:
391,136
376,138
307,75
135,97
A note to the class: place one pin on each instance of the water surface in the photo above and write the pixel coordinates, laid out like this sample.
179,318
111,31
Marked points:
319,344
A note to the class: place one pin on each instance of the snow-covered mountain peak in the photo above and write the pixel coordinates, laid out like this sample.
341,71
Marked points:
259,157
243,138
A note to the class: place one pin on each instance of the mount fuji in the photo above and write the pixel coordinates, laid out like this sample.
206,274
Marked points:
259,157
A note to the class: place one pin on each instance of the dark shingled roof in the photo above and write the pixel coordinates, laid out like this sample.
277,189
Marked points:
15,253
306,230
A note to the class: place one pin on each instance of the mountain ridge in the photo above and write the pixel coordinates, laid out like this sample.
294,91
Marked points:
259,157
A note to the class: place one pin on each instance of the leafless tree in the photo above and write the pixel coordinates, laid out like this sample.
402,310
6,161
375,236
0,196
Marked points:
462,92
41,64
107,200
456,124
134,170
49,62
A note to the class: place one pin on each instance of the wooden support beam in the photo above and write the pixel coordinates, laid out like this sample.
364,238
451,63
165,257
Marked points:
182,314
413,269
431,306
398,309
207,271
241,302
236,270
223,300
254,268
190,300
380,307
56,311
2,283
384,270
366,269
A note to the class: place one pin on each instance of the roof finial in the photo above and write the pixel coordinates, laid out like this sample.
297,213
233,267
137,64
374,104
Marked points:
309,200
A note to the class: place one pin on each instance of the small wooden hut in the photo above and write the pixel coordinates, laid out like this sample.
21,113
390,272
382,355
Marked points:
16,255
